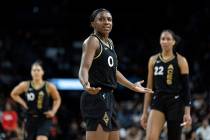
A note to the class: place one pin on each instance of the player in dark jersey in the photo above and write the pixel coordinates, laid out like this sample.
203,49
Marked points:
99,76
168,76
41,101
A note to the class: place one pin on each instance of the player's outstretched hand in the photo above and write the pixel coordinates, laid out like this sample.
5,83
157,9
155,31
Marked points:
139,88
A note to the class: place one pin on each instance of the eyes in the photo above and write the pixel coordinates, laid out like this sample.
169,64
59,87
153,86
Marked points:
103,19
36,70
166,39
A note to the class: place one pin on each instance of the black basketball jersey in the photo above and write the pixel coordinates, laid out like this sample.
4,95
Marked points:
167,76
103,69
38,100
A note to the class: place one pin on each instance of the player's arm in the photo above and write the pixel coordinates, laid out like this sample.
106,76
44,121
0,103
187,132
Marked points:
90,47
148,97
56,99
135,87
17,91
184,68
186,95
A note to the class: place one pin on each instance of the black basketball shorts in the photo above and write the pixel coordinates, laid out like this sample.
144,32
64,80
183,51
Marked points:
99,109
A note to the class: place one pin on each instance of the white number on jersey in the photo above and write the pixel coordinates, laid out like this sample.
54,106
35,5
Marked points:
110,61
30,96
159,70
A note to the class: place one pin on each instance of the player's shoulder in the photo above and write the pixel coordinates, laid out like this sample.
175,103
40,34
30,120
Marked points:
91,39
154,57
181,58
24,83
50,85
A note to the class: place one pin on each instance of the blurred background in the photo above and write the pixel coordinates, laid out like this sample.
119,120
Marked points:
53,31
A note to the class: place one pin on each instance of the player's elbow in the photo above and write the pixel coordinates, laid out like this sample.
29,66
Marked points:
13,95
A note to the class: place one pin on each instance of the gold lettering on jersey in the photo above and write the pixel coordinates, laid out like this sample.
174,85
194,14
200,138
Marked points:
170,72
106,118
40,100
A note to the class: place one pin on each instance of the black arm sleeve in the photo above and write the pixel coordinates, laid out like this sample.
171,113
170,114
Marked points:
186,94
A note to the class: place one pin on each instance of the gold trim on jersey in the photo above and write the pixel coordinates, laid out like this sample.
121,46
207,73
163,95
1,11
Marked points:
28,86
32,84
40,100
46,88
164,60
99,53
111,43
170,71
104,43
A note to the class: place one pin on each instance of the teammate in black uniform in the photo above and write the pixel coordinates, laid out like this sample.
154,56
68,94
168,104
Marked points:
99,76
168,75
41,101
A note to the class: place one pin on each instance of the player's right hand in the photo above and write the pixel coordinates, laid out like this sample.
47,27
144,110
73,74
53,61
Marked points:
92,90
143,120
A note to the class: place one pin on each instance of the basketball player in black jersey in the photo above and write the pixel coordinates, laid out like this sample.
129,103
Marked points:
99,76
168,76
41,101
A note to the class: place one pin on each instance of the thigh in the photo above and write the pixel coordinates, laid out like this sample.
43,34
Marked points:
155,125
99,134
41,138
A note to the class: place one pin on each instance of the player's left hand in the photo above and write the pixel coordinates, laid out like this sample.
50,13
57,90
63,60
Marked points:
139,88
49,114
187,121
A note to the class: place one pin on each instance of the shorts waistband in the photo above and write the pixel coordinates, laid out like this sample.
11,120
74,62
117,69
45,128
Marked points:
34,115
107,90
165,93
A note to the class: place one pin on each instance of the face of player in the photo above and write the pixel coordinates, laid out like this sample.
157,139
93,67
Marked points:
37,72
103,23
167,41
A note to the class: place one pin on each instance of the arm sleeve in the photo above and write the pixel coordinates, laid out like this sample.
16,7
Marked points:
186,93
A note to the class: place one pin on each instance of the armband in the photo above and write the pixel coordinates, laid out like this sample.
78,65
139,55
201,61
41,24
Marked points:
186,94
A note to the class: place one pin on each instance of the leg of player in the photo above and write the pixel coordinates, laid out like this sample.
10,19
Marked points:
99,134
114,135
41,138
155,124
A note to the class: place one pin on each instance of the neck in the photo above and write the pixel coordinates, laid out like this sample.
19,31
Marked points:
37,81
167,53
103,37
